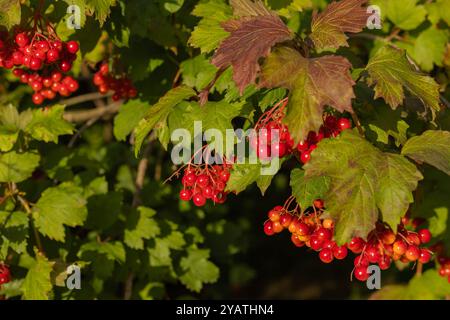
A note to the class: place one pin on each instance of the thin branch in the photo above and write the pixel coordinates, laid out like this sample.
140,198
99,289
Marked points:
357,123
85,115
25,204
84,98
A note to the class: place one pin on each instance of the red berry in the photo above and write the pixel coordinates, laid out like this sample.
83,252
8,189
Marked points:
72,47
37,98
318,204
323,234
296,241
361,273
65,66
301,228
424,235
36,85
340,252
373,254
326,255
286,220
268,228
316,243
35,63
279,149
56,76
413,238
274,215
344,124
399,247
305,156
17,58
361,260
384,262
202,180
425,256
224,175
52,55
356,245
412,253
185,195
22,39
199,200
189,179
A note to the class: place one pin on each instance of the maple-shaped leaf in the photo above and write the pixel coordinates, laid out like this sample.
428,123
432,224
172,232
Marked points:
249,8
328,27
374,185
251,37
431,147
390,72
313,83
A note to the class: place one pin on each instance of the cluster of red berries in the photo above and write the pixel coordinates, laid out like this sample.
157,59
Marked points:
444,267
332,127
271,137
5,274
40,61
307,229
382,246
122,86
443,260
205,182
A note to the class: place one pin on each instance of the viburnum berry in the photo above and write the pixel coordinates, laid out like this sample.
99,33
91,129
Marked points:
268,228
5,274
36,53
361,273
326,255
121,85
340,252
424,235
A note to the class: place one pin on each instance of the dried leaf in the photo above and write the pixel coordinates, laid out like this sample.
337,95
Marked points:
329,27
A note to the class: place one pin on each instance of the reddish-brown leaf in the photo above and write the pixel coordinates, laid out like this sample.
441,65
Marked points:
248,8
329,27
251,37
313,83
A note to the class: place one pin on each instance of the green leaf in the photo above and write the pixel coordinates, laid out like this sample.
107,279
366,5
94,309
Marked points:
140,226
405,14
14,232
313,83
431,147
17,167
197,72
328,28
307,190
438,223
9,127
198,269
37,284
57,207
242,175
10,13
157,114
48,124
173,6
113,251
397,180
208,34
101,8
430,47
428,286
264,181
438,10
390,72
353,198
